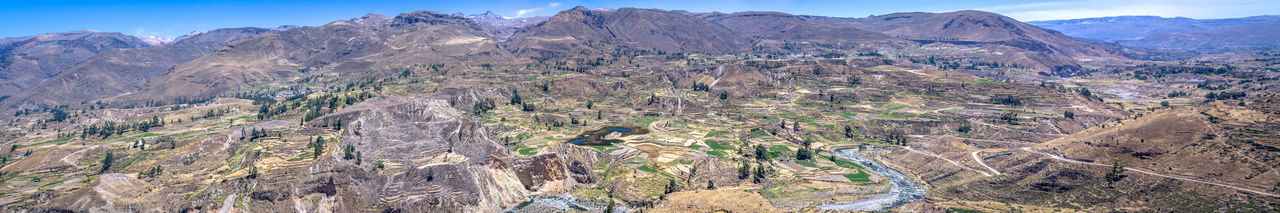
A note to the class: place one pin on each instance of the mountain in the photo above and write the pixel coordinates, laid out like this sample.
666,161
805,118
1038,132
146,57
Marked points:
25,61
1256,36
502,27
1133,27
1016,42
644,29
782,26
981,27
125,70
359,47
490,18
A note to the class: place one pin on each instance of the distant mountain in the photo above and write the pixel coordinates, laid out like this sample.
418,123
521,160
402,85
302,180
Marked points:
782,26
1133,27
501,26
1256,36
351,48
488,17
646,29
25,61
1027,44
125,70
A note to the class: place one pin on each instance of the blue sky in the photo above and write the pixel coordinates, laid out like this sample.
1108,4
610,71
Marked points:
171,18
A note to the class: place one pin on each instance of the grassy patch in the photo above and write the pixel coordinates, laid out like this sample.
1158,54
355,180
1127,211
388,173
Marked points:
715,133
779,148
645,121
847,164
892,116
44,142
807,163
528,151
716,153
849,115
302,156
647,169
717,146
896,107
960,210
860,177
695,146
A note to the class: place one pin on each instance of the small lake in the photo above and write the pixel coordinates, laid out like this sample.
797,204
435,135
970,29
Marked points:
597,137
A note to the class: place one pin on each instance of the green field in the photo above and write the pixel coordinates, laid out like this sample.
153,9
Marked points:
860,177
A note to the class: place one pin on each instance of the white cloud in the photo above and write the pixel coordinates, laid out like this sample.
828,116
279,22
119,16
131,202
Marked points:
1166,8
522,12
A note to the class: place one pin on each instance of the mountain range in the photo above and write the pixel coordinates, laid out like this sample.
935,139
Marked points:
236,59
1180,33
642,110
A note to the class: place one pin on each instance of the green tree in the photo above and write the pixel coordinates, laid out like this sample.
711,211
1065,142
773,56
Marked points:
1116,173
106,162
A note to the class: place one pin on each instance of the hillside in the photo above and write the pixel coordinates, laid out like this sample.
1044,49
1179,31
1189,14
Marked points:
1133,27
982,27
641,29
787,27
353,47
26,61
118,72
644,110
1257,36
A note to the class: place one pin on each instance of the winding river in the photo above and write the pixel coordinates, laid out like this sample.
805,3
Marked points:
902,190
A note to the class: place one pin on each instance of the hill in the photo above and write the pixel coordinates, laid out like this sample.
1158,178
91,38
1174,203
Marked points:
641,29
353,47
787,27
1257,36
1133,27
127,70
25,61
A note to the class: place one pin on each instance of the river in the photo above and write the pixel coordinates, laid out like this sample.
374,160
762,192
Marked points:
902,190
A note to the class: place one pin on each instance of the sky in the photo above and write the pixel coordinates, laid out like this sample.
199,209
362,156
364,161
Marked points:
172,18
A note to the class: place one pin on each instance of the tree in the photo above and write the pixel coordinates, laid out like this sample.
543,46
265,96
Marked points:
760,174
317,147
1117,168
348,152
964,129
253,172
745,171
1069,115
897,137
1009,117
106,162
609,208
711,185
761,153
848,131
671,186
804,154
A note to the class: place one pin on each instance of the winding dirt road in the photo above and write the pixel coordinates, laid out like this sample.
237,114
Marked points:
1063,159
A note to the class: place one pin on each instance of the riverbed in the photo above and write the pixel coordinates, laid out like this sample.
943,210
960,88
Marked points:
903,188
